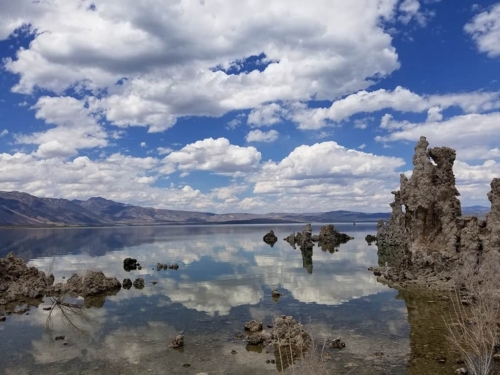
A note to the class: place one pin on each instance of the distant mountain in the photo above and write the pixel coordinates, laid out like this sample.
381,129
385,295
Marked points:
21,209
475,211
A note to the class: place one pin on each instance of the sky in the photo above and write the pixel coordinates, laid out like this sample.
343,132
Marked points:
248,105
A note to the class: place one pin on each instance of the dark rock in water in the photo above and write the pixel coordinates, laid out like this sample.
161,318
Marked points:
47,308
337,344
129,264
369,238
178,342
58,338
160,266
139,283
291,239
253,326
173,266
127,284
3,318
270,238
276,295
255,338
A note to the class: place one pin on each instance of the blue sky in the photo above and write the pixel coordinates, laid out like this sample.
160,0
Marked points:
245,106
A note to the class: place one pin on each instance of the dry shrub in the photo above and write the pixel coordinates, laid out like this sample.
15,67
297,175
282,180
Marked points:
473,325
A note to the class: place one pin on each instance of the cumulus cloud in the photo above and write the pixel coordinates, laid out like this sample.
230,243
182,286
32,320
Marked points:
4,132
214,155
260,136
265,115
164,150
153,62
399,99
474,136
484,29
75,128
143,144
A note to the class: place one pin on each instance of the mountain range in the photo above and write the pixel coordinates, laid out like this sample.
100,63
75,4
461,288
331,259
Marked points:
21,209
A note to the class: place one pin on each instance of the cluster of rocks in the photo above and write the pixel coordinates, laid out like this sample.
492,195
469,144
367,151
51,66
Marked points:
20,283
138,283
427,223
270,238
286,332
164,266
328,237
370,239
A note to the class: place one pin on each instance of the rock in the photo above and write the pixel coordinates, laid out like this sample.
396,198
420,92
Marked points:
291,239
255,338
160,266
47,308
370,238
127,284
154,282
3,318
253,326
90,284
178,342
58,338
18,282
276,294
461,371
129,264
139,283
289,333
434,236
270,238
173,266
337,344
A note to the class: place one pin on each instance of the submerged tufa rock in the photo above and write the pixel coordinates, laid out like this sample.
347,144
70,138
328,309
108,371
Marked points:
270,238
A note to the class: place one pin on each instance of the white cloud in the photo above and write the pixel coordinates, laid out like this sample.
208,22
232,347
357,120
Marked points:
411,10
214,155
143,144
362,147
400,99
265,115
4,132
474,136
76,128
485,31
164,150
434,114
163,55
260,136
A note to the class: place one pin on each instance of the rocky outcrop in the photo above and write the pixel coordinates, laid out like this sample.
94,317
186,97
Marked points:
90,284
327,238
270,238
370,239
427,224
18,282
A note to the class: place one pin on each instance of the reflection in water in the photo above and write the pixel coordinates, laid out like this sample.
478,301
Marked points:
72,313
226,277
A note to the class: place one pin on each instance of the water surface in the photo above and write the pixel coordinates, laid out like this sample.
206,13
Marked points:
225,278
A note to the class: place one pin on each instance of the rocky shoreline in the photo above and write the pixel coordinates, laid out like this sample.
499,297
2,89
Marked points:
22,284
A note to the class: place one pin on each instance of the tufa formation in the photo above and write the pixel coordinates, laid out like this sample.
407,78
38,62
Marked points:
427,223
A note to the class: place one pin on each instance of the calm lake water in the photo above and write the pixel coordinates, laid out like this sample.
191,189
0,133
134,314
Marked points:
225,278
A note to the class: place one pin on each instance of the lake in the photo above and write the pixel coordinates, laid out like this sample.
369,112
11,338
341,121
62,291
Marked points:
225,278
